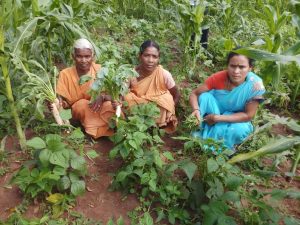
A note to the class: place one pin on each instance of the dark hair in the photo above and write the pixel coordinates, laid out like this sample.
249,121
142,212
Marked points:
147,44
231,54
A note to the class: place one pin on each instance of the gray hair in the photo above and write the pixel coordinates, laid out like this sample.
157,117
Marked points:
83,43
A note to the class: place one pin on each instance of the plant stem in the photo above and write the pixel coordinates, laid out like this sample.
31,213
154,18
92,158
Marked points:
296,161
12,106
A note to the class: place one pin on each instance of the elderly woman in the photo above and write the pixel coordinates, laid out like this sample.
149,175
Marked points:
227,102
93,116
154,84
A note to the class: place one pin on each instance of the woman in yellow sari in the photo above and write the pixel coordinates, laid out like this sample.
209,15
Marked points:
93,116
154,84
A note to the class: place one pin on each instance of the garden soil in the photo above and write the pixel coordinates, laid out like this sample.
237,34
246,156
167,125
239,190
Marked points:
98,202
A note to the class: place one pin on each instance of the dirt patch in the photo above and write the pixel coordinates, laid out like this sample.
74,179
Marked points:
97,203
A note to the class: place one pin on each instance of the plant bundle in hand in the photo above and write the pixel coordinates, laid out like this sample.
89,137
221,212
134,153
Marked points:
112,80
41,88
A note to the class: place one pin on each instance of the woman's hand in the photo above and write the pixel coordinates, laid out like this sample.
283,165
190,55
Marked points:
115,103
96,105
211,119
196,113
60,102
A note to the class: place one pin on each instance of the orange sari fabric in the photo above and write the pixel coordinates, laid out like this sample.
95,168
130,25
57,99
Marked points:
153,89
94,123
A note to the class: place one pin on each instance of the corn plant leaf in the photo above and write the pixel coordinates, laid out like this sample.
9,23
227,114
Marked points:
268,56
36,143
25,31
274,147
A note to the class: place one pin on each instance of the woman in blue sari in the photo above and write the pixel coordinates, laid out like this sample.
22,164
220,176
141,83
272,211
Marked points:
227,102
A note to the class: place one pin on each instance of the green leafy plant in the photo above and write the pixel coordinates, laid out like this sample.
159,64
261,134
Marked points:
146,169
111,80
55,168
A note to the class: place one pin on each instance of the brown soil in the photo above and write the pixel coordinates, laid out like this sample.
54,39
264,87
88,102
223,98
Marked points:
97,203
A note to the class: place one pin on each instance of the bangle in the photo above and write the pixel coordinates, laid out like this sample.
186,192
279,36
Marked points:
196,109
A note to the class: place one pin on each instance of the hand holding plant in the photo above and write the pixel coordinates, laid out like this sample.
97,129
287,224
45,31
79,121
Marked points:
113,81
196,113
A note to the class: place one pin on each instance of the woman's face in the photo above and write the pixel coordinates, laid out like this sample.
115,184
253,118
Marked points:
149,59
238,67
83,59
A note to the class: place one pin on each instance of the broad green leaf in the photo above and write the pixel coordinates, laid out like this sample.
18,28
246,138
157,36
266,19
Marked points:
132,143
146,219
212,165
44,157
124,152
77,134
113,153
226,220
65,114
54,143
55,198
233,182
58,170
157,159
78,187
152,184
189,168
60,159
36,143
84,78
121,176
139,162
110,222
120,221
231,196
78,163
64,183
92,154
73,177
169,156
291,221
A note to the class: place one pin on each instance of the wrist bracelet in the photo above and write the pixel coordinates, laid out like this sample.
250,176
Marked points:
196,109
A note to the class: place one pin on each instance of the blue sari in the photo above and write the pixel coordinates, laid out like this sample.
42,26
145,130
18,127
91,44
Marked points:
224,102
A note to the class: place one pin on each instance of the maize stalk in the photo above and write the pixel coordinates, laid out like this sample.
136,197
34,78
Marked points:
275,147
